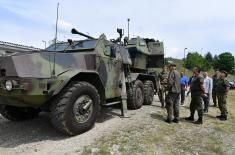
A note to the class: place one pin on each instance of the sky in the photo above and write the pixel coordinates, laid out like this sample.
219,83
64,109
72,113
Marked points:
198,25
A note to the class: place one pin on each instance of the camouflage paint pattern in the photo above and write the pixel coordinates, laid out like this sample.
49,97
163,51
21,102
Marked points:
34,85
145,53
102,64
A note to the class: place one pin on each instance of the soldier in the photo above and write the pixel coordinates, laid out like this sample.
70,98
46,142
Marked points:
173,94
163,76
215,78
221,92
197,91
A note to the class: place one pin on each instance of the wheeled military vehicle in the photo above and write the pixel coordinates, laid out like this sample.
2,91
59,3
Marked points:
72,79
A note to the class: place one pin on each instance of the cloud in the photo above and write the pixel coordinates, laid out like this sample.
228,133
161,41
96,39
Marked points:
207,25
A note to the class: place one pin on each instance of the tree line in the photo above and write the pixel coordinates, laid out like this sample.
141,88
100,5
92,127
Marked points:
223,61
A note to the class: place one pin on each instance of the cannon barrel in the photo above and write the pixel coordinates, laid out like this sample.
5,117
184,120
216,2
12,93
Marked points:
74,31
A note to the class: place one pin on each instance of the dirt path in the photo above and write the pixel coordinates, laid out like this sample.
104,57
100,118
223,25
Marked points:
145,132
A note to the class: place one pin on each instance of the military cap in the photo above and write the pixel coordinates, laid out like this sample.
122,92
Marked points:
223,71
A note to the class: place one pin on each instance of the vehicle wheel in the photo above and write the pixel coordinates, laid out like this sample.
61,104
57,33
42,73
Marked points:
17,113
76,109
148,92
135,97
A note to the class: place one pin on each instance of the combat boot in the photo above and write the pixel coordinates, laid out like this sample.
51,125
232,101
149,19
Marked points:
223,117
190,118
175,120
219,116
168,121
199,121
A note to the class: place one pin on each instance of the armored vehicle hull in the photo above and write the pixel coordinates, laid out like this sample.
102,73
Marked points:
71,80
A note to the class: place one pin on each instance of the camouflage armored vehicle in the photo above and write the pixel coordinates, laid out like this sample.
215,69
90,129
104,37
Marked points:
71,80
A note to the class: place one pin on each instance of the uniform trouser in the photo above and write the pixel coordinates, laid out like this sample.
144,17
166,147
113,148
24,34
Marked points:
196,104
161,94
206,101
214,96
222,103
172,105
182,98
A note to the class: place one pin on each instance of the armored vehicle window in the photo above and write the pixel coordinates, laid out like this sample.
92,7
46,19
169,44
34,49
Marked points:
107,51
59,46
110,51
83,44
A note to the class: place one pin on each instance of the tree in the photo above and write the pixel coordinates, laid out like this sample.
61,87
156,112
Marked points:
195,59
209,60
215,60
225,61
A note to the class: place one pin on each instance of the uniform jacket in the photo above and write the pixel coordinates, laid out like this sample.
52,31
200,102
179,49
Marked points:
222,85
163,77
196,84
173,82
215,80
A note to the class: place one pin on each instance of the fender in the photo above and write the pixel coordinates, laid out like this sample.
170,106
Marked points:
81,75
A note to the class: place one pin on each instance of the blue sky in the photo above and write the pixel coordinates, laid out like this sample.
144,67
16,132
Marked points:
199,25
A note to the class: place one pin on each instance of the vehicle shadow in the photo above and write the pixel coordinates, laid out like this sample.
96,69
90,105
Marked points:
13,134
158,116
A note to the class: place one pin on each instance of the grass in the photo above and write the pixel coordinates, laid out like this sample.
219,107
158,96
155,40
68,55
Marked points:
157,137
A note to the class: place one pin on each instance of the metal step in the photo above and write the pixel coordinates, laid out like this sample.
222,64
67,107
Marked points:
111,103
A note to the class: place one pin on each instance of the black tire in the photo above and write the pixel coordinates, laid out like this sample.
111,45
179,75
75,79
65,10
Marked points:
63,114
135,96
17,113
148,92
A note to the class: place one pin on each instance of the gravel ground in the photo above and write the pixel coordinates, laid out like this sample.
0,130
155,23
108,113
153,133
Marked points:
116,135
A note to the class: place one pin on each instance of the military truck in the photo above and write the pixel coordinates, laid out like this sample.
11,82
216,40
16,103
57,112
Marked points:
71,80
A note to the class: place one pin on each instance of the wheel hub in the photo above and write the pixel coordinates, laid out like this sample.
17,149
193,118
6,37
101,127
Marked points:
83,108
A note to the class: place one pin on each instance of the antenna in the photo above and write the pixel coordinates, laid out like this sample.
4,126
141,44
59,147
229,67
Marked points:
57,13
128,20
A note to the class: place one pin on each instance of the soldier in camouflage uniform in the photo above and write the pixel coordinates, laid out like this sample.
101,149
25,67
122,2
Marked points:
215,78
222,91
163,76
197,91
173,94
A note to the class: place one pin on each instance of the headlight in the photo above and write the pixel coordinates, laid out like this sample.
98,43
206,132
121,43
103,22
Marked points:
8,85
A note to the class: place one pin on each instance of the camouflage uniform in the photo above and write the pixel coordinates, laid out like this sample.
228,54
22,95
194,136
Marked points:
196,96
173,96
163,76
222,85
214,95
